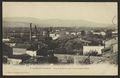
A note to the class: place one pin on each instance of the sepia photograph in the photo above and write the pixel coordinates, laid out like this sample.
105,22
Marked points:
60,38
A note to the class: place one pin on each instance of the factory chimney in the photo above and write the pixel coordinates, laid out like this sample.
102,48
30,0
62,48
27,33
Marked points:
30,31
36,31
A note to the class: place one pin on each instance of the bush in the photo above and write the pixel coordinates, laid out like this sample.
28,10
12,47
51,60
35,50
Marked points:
5,59
113,58
52,59
70,60
92,53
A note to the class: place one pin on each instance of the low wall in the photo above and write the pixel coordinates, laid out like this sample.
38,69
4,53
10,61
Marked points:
64,58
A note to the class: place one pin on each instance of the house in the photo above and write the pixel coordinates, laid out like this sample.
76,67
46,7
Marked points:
20,48
87,49
73,33
34,36
78,33
85,42
110,42
97,33
115,48
19,51
114,33
54,36
37,49
31,53
67,33
57,30
102,33
14,61
5,39
11,44
111,46
17,59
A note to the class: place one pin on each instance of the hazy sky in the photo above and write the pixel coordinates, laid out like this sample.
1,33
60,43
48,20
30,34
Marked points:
101,12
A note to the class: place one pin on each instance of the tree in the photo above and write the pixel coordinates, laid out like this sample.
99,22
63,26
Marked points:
83,33
109,34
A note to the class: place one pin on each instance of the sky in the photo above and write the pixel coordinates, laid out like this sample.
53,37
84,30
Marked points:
100,12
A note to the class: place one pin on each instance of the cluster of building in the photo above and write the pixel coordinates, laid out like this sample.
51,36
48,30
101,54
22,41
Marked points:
16,49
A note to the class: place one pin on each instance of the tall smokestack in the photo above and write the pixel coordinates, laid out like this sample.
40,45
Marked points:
36,30
30,31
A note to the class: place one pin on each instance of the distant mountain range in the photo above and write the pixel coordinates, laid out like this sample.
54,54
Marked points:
25,21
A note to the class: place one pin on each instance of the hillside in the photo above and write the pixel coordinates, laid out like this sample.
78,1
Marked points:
24,22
